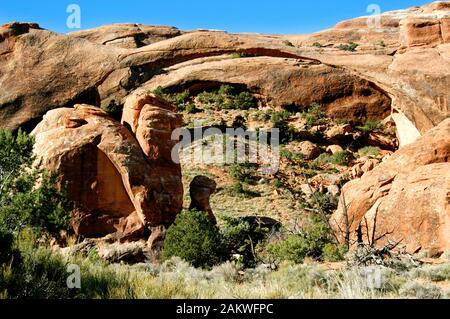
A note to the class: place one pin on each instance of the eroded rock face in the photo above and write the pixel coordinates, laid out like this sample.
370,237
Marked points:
405,198
41,70
127,35
115,187
278,81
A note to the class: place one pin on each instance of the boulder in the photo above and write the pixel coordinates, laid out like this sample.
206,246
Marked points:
405,198
115,187
333,149
308,149
201,189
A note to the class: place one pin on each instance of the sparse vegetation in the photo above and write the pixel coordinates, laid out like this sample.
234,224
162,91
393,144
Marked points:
370,151
241,55
309,242
370,126
317,45
341,158
381,43
243,172
351,46
288,43
314,115
238,189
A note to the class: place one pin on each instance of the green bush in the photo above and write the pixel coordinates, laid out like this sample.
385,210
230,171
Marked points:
180,99
295,157
333,253
381,43
15,152
317,45
309,243
29,197
370,151
279,121
341,158
326,202
112,108
159,91
239,190
279,118
351,46
277,183
195,239
241,238
245,101
314,115
44,208
227,97
288,43
243,172
370,126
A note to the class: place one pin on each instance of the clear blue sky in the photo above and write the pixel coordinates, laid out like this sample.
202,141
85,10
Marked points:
264,16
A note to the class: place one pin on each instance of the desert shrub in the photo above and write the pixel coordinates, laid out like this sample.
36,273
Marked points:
310,242
40,275
288,43
238,189
381,43
44,208
159,91
317,45
278,118
434,273
370,126
191,109
226,89
243,172
279,121
240,55
351,46
227,97
195,239
341,158
332,252
420,291
370,151
314,115
245,101
179,99
240,238
328,203
277,183
28,197
15,152
113,109
295,157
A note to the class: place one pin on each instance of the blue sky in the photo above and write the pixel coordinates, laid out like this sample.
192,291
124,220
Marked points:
264,16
